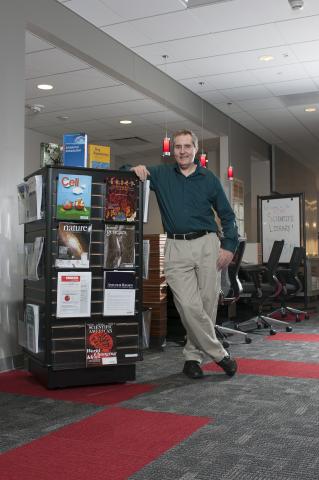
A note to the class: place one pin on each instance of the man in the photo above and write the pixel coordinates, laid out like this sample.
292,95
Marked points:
187,194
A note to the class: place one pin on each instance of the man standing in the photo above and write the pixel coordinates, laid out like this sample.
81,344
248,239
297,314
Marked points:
187,194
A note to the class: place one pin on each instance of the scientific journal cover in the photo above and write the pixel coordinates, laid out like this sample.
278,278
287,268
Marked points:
74,197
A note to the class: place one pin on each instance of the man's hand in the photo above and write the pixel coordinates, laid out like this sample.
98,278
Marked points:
141,171
224,259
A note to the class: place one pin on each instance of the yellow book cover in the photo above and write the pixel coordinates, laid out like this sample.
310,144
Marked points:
99,156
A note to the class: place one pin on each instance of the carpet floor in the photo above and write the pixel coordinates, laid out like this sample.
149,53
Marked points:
259,425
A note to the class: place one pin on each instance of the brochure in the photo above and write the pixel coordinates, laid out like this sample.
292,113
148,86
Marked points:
74,294
119,293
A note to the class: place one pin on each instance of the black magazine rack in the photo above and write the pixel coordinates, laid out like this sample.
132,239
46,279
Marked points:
62,359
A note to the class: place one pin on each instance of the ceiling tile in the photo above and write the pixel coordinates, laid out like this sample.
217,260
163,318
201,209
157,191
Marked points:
126,34
170,26
260,104
176,70
282,73
307,51
215,65
48,62
232,80
243,13
312,68
142,8
246,93
300,29
70,82
94,12
292,87
99,96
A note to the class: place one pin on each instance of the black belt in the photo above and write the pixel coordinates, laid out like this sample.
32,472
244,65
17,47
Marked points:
187,236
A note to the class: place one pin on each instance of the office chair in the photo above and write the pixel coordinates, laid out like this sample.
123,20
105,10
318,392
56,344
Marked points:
288,277
262,284
231,288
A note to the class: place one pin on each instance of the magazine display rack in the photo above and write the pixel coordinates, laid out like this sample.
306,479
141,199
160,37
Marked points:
80,342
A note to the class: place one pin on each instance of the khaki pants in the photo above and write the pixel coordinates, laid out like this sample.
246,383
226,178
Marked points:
191,273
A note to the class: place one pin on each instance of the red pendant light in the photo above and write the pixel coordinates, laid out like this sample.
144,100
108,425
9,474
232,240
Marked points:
166,147
166,144
203,160
230,173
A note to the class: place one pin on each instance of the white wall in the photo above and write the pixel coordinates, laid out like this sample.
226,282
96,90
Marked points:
12,38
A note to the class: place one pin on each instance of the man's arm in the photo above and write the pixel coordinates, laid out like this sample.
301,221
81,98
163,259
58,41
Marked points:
141,171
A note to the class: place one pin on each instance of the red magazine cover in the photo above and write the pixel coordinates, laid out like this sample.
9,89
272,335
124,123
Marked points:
121,199
100,344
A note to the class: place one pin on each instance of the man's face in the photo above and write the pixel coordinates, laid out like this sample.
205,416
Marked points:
184,151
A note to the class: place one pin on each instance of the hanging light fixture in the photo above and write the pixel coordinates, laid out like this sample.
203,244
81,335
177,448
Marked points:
203,161
230,170
166,144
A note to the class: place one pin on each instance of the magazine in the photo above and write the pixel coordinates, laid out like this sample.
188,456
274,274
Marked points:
121,199
33,259
119,293
75,149
30,206
99,156
74,241
74,294
119,246
74,197
100,344
32,321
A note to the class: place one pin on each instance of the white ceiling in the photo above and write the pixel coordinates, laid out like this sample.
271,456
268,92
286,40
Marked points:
218,44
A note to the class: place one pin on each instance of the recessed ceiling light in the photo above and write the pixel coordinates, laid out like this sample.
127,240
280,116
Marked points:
266,58
125,122
44,86
310,109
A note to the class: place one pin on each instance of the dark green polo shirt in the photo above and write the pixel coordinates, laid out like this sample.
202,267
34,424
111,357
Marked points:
186,202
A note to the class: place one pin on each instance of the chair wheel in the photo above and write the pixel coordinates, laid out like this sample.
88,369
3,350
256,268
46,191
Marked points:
272,331
289,329
248,340
265,325
225,344
258,326
307,316
298,319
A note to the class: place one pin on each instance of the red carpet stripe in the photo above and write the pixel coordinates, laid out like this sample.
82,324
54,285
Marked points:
113,444
273,368
23,383
295,337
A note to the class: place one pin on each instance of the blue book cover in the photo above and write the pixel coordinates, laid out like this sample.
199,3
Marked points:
75,149
74,197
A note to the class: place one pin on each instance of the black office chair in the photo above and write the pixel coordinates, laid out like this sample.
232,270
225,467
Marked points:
231,288
261,285
292,285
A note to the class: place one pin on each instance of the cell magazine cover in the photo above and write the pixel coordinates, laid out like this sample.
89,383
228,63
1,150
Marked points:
74,197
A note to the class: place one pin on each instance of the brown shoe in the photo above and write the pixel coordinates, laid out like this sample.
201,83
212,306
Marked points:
229,365
192,369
